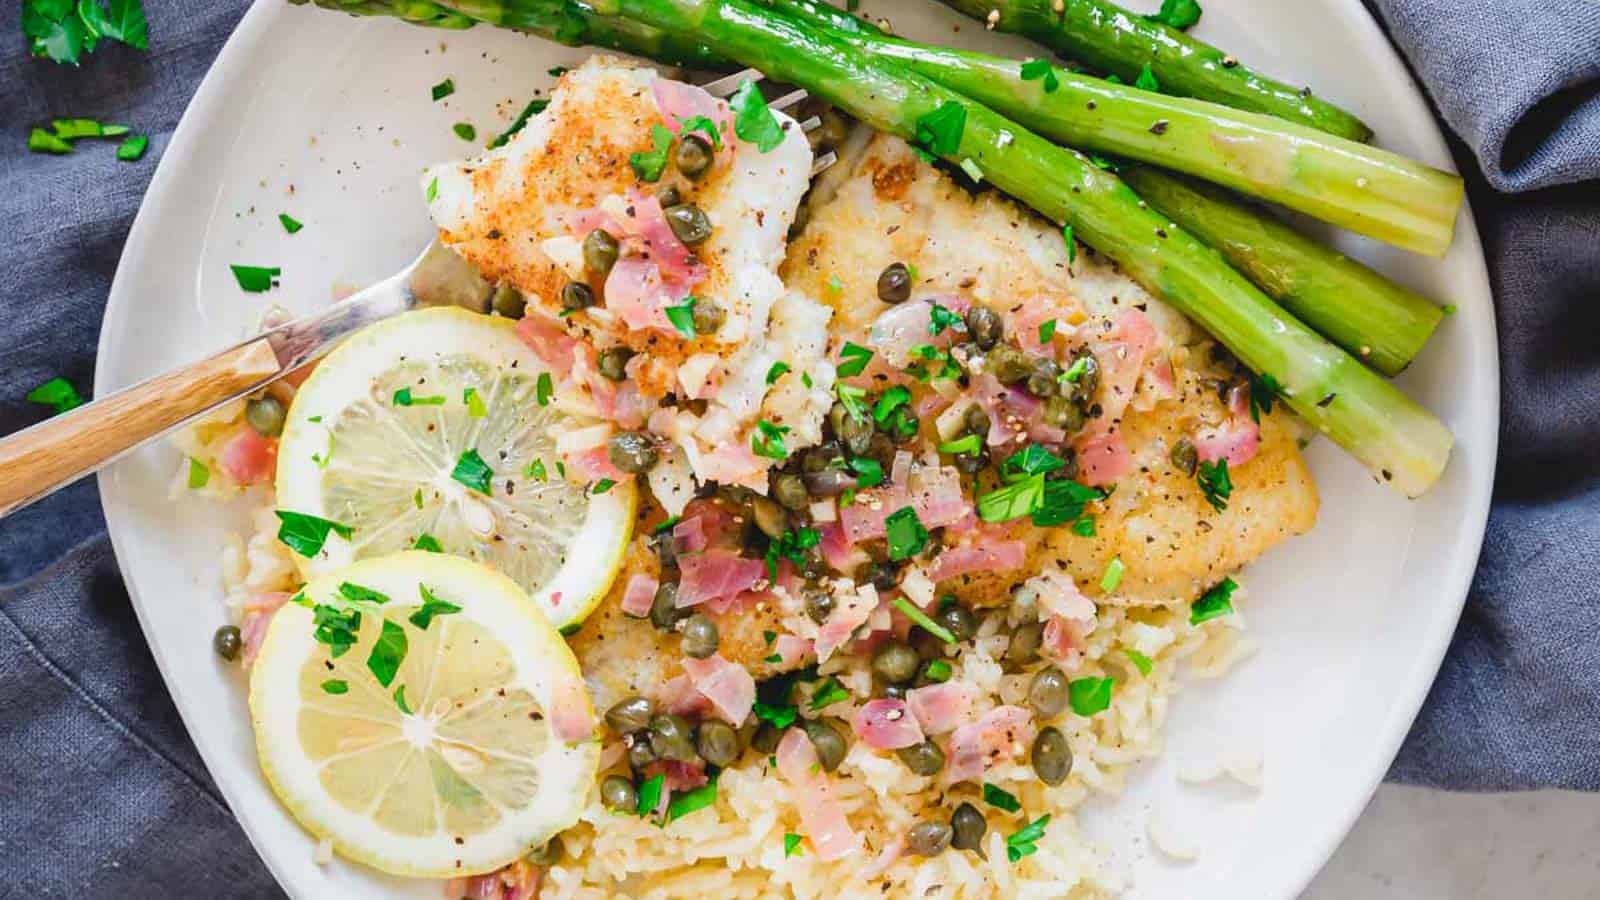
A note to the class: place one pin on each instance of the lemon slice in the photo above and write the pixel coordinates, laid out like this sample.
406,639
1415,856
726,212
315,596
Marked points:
423,751
429,427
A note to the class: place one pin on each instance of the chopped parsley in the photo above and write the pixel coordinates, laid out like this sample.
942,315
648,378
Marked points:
682,317
305,534
906,534
41,141
829,693
1264,389
853,359
536,471
1113,574
431,606
921,618
433,190
691,801
603,485
1028,493
779,717
404,397
387,653
1214,603
850,398
869,472
356,593
290,223
704,125
1072,245
474,401
890,402
648,166
335,627
1179,14
777,371
1040,69
1147,79
1090,695
1077,370
768,440
1215,483
650,794
544,389
1047,331
937,671
791,845
336,686
428,543
465,131
473,472
1139,660
132,148
667,524
255,279
400,700
1026,841
966,444
791,545
1084,527
1012,501
939,132
57,393
62,31
1001,798
199,475
533,108
753,121
443,89
940,318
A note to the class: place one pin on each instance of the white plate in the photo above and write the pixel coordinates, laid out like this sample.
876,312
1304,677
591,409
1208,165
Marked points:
329,118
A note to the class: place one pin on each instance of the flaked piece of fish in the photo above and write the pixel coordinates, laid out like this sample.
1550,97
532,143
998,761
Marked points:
698,318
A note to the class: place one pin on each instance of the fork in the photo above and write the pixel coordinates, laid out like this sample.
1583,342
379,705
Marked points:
40,460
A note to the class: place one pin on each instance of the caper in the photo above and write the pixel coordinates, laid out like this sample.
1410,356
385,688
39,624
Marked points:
769,516
1008,364
895,691
976,420
790,491
1185,458
957,620
265,414
614,363
985,326
902,427
971,463
1047,693
968,826
618,793
693,156
895,662
819,605
767,738
672,737
1052,758
600,251
828,742
717,743
1025,642
689,223
669,196
576,295
928,838
708,317
1042,380
881,575
664,612
630,714
894,283
1063,413
826,455
854,431
924,759
509,302
227,642
632,452
1088,380
666,548
926,644
829,482
640,753
546,854
700,637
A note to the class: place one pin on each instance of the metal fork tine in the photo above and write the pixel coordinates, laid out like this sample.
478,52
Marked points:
788,100
727,84
823,162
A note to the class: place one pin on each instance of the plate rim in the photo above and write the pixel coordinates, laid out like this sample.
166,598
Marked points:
1316,851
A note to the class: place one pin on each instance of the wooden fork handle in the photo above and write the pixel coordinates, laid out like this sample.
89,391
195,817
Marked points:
39,460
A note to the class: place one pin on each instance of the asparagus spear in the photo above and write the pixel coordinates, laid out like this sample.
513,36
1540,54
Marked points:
1109,38
1399,441
1357,308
